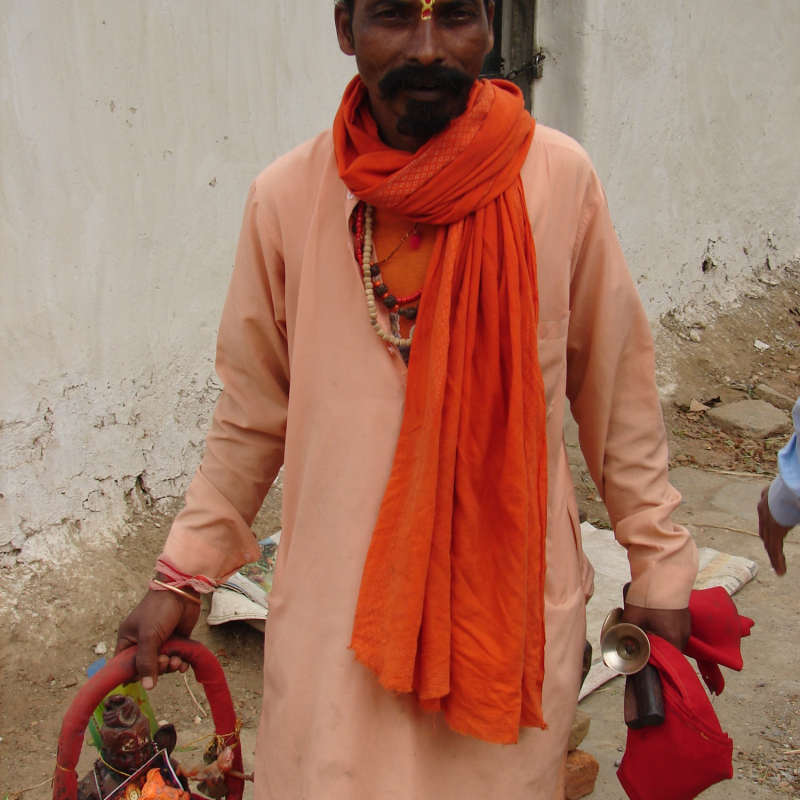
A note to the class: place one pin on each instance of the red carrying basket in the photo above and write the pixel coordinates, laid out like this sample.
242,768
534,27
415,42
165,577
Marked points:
122,669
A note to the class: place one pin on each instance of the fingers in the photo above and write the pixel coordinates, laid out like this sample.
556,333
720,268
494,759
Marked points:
148,661
772,534
763,512
171,664
148,655
774,546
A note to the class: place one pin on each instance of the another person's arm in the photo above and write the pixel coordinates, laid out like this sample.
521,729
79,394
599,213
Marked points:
614,399
211,537
779,507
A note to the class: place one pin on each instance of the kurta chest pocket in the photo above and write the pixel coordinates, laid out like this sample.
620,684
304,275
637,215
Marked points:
552,341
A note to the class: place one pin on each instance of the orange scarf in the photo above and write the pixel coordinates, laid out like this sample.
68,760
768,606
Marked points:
451,605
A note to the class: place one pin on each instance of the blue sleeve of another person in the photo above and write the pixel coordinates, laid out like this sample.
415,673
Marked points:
784,493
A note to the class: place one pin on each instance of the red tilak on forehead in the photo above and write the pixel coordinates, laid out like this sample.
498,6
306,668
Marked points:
427,9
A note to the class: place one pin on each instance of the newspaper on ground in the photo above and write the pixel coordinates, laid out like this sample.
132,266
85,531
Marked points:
244,596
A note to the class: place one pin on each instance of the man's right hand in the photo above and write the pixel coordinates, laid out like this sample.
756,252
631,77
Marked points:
150,624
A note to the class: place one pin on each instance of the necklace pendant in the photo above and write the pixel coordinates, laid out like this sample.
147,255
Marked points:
394,319
415,240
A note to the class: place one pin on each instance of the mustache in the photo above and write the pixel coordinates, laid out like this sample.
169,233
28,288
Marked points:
437,76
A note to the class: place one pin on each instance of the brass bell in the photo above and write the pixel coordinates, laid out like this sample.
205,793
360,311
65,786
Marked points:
614,617
625,648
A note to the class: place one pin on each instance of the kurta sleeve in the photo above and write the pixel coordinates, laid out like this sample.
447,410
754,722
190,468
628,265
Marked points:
211,536
614,399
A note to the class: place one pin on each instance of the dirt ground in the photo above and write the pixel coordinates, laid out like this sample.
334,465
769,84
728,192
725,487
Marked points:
62,618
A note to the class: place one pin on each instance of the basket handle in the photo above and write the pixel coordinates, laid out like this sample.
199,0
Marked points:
122,669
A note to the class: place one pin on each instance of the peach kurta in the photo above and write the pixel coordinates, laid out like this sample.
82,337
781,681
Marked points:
296,316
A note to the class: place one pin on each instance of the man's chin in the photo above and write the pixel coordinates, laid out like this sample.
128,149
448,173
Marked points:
421,129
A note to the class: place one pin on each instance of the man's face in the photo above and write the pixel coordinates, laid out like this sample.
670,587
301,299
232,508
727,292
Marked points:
418,61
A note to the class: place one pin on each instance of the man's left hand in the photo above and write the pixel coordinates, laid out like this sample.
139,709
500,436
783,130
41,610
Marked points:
674,625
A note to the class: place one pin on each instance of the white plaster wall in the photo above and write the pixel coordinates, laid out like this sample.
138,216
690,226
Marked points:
129,134
690,110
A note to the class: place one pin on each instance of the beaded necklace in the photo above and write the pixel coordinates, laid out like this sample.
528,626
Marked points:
373,285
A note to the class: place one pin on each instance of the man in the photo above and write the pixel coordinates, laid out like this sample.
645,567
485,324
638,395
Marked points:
429,521
779,507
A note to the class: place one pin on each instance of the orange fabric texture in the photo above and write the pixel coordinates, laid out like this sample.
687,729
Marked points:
451,603
404,273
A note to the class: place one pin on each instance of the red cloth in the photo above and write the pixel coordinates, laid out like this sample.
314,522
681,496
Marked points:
717,631
689,752
451,605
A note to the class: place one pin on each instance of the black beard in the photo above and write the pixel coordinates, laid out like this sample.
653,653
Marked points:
424,119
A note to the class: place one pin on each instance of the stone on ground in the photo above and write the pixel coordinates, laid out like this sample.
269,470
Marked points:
754,419
580,729
582,770
776,398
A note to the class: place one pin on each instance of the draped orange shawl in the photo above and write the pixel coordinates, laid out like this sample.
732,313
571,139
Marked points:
451,605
